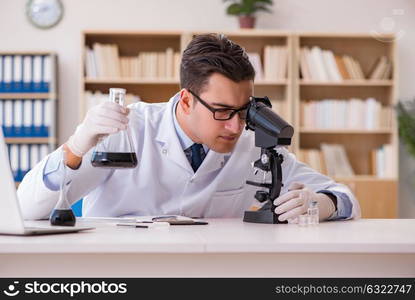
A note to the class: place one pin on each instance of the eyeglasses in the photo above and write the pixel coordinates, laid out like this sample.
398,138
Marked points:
223,114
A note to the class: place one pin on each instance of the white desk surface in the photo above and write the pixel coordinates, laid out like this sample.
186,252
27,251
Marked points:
375,236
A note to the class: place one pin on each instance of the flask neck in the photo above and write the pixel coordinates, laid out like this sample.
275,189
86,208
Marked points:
117,96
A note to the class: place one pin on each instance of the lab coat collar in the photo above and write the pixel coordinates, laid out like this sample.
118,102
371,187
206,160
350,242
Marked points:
173,149
212,162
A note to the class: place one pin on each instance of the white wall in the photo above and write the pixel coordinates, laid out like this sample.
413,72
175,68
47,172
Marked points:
306,15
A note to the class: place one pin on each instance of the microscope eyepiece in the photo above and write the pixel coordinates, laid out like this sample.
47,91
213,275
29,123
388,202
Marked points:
273,130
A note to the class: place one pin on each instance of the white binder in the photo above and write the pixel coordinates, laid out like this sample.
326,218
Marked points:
27,73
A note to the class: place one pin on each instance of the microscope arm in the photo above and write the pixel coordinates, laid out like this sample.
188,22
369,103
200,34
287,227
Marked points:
276,174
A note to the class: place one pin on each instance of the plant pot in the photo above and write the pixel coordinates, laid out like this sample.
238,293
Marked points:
246,21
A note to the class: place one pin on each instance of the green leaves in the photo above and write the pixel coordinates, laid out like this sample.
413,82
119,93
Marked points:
234,9
247,7
406,121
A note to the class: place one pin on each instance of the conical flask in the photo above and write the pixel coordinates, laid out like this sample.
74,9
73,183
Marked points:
62,214
115,150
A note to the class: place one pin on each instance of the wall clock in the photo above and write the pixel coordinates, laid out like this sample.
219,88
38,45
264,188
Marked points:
44,13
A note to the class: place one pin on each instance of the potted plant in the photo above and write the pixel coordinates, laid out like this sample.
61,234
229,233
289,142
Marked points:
406,120
246,9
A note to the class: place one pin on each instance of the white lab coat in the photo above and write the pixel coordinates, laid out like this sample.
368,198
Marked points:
164,182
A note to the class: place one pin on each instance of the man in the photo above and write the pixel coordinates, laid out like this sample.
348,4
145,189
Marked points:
194,155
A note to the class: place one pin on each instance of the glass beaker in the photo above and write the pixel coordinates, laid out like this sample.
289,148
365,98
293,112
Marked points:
62,214
115,150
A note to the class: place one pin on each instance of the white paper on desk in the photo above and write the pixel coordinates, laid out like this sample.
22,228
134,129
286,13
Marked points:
150,218
131,218
108,219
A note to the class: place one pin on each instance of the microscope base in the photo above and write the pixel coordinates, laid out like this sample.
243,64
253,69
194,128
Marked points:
261,216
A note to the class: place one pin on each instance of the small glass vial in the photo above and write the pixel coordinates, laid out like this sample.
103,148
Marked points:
312,212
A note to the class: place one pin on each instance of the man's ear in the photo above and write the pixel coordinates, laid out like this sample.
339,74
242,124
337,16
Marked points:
186,101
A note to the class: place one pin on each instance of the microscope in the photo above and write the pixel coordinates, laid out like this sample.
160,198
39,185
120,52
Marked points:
270,131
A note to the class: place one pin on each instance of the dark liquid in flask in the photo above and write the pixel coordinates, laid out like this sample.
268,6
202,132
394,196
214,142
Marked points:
114,159
62,217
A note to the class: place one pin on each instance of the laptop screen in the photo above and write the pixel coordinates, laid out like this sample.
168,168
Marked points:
11,220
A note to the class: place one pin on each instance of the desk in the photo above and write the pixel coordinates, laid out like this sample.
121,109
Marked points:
224,248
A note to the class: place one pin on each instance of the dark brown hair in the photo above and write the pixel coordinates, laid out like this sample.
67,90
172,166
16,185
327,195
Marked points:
213,53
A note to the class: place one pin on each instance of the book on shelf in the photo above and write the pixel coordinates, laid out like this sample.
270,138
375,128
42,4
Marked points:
25,73
318,64
336,160
304,66
313,158
177,59
353,68
352,114
330,159
104,61
97,97
381,70
255,60
383,161
331,66
275,62
341,65
318,67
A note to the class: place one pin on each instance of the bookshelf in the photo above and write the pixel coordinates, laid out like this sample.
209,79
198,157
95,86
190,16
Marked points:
131,44
287,90
28,107
377,194
159,88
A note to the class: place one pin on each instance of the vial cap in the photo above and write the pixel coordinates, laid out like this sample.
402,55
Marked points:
313,203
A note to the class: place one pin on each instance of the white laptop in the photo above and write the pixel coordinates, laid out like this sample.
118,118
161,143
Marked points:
11,220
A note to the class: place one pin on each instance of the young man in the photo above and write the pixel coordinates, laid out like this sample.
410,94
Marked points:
194,156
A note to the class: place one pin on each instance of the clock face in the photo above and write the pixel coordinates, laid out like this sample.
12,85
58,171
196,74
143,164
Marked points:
44,13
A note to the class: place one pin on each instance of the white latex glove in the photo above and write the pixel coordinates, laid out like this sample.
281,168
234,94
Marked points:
297,200
101,120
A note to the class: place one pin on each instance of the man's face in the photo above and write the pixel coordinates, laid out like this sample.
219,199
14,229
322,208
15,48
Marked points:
220,92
